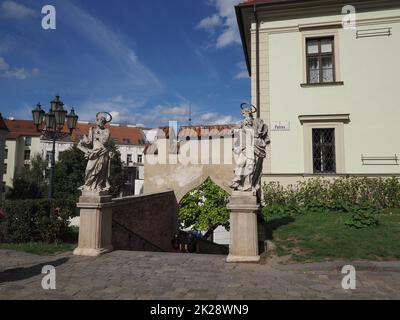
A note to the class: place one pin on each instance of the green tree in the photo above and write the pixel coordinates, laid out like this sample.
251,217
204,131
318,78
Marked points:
204,209
117,176
70,173
30,182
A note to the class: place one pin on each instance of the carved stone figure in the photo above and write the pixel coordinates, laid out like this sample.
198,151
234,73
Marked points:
251,138
96,146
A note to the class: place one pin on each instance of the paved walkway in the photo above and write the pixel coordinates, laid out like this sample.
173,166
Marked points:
144,275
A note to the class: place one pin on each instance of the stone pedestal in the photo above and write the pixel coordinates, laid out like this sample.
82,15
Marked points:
95,224
243,246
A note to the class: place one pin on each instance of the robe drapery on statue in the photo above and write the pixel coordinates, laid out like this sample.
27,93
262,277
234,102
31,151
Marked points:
251,138
99,157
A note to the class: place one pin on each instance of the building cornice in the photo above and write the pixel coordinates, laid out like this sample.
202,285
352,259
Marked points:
325,118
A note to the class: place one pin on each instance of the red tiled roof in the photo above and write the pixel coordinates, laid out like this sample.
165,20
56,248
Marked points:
21,128
121,135
218,130
3,125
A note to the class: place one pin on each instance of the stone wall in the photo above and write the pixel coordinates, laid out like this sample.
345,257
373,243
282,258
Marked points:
182,179
196,161
145,223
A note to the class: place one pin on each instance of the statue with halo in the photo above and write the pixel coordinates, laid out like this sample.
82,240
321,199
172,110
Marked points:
96,146
251,138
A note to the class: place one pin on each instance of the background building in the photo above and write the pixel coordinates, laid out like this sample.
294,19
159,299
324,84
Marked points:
24,142
130,142
329,93
3,135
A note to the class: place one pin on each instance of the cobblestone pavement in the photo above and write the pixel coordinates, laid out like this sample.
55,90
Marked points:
145,275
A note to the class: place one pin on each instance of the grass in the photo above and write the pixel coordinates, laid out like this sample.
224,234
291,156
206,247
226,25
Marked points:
324,236
39,248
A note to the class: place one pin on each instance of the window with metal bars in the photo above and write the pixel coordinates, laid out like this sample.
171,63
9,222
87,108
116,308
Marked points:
320,60
324,155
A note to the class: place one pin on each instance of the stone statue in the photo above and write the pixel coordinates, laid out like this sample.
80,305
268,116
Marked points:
96,146
251,138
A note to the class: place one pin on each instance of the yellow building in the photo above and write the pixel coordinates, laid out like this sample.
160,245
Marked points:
23,143
325,79
3,136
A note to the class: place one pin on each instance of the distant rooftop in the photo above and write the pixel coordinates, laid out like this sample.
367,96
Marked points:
3,125
21,128
122,134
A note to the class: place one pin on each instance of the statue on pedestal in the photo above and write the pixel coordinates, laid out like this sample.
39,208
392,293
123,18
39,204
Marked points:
96,146
251,138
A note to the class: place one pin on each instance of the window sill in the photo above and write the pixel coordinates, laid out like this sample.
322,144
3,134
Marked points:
326,84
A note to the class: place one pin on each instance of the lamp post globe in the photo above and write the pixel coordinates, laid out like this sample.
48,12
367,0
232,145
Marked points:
38,115
54,121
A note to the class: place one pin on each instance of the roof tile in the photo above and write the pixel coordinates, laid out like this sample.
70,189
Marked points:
3,125
122,135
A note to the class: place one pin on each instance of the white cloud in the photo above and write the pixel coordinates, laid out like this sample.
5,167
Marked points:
12,9
16,73
242,72
224,120
121,109
216,118
3,64
224,21
135,112
162,114
123,58
180,110
209,23
207,116
128,111
229,36
242,75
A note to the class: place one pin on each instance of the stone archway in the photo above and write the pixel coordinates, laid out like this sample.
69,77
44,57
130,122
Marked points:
182,179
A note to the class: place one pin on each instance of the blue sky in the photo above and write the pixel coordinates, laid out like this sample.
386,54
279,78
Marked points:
144,61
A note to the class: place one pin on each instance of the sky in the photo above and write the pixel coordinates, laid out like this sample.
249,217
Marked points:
146,62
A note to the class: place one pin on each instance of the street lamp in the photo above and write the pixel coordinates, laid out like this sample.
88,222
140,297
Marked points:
54,122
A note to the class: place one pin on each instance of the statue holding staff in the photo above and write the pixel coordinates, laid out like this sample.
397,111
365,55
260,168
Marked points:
251,138
96,146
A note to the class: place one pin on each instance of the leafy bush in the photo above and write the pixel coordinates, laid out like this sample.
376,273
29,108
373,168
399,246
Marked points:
361,197
30,182
35,220
205,208
362,217
70,174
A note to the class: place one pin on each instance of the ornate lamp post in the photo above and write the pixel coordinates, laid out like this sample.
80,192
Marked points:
54,122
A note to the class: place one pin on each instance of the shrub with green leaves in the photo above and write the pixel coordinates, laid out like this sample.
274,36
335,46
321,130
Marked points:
362,217
363,198
205,208
36,220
